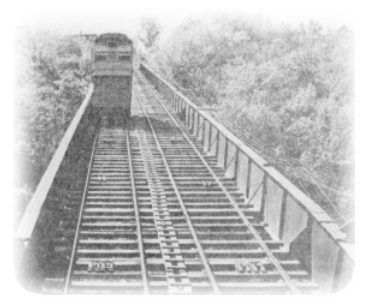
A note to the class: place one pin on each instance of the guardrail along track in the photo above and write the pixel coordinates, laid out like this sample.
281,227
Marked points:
159,216
310,234
236,251
169,201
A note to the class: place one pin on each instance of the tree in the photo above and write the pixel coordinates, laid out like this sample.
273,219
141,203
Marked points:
290,90
50,85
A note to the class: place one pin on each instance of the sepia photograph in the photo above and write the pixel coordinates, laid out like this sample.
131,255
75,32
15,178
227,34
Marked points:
172,149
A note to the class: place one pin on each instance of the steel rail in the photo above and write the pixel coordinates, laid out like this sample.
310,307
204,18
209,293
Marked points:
254,232
185,212
83,202
137,218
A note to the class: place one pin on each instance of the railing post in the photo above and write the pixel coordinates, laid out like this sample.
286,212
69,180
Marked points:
204,131
248,177
191,127
209,146
181,105
217,144
195,123
226,148
282,215
187,115
175,102
198,126
236,166
263,198
291,202
176,106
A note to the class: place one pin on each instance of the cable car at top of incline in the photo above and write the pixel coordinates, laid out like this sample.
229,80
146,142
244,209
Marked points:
112,72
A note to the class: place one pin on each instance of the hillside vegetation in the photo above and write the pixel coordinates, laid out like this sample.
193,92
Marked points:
50,84
290,88
285,91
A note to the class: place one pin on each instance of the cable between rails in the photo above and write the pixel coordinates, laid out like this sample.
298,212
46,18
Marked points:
254,232
185,212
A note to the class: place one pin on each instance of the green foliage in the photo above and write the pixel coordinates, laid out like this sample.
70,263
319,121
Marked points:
148,37
291,88
150,31
49,87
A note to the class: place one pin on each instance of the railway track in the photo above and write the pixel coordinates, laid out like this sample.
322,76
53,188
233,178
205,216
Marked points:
159,216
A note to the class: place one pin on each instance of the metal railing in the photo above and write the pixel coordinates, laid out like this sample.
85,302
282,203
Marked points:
311,235
32,212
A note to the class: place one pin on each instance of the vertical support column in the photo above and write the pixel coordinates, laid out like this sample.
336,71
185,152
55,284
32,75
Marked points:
248,177
187,115
195,123
338,271
200,130
242,171
226,152
172,99
203,131
282,215
213,141
189,118
180,105
217,144
207,136
175,104
209,146
198,123
231,160
221,151
236,166
263,198
193,120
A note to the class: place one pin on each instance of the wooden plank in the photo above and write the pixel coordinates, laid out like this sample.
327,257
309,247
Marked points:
30,217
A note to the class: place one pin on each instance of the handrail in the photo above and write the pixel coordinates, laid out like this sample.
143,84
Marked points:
250,227
318,214
30,216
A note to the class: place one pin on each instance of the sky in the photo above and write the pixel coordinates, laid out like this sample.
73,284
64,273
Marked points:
124,16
